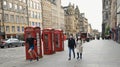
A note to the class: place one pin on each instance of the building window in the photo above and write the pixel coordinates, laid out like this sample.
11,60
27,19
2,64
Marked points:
106,15
35,13
20,19
33,5
32,23
23,19
17,19
39,24
54,1
11,18
22,29
13,28
16,7
7,29
6,18
20,7
18,29
28,3
36,24
24,10
39,16
4,3
24,1
10,5
37,5
31,13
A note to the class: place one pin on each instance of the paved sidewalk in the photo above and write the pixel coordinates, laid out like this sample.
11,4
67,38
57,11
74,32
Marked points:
97,53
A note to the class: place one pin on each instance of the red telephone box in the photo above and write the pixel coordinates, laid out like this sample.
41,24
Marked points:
48,41
59,40
35,32
38,39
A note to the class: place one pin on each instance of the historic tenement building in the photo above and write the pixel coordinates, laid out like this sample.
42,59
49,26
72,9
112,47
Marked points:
53,14
35,13
106,15
13,17
110,18
72,19
77,19
47,13
83,23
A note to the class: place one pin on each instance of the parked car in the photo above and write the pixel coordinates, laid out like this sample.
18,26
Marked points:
107,37
98,37
12,42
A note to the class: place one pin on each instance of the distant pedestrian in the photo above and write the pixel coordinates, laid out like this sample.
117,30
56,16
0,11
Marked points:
79,48
71,46
30,42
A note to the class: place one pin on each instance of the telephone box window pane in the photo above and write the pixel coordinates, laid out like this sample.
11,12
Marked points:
46,42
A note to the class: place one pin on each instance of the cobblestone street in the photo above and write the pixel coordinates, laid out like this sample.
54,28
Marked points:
97,53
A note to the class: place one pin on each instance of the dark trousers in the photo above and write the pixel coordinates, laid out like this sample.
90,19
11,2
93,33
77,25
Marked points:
71,49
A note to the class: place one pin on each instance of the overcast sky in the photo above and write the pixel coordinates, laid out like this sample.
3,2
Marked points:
92,10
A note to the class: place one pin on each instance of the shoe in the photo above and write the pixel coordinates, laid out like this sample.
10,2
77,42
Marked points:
80,55
69,59
37,58
77,57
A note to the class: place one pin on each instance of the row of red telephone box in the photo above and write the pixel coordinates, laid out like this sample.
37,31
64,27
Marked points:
52,40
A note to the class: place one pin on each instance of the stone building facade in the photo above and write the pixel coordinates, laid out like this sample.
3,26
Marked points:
35,13
83,23
110,18
47,13
106,14
70,25
75,22
53,14
113,18
13,17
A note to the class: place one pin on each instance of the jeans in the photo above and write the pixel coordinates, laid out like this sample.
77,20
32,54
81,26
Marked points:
71,49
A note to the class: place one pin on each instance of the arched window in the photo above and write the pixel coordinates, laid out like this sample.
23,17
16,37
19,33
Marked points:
20,7
10,5
4,3
16,7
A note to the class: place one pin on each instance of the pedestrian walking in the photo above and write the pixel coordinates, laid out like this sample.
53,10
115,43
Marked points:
79,47
30,42
71,46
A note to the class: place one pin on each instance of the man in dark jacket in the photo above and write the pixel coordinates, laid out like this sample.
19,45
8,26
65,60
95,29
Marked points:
71,46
